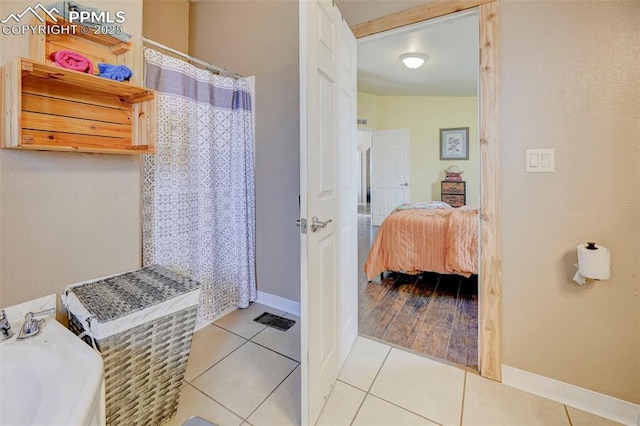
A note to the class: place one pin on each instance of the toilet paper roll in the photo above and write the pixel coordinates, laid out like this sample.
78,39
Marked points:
578,278
594,261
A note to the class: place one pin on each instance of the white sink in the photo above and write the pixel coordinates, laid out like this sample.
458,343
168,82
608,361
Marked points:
53,378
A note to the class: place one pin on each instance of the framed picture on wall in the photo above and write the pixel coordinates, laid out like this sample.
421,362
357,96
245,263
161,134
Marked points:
454,143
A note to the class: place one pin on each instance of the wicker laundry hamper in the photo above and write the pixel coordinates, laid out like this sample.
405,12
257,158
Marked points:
142,323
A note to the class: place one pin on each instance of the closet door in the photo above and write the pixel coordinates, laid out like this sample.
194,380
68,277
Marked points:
390,172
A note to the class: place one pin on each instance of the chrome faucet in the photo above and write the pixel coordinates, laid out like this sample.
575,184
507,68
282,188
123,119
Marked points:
31,326
5,326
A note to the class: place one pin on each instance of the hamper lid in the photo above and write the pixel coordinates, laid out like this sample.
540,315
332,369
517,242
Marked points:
111,305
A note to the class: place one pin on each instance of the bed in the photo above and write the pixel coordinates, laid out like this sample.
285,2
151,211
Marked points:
426,237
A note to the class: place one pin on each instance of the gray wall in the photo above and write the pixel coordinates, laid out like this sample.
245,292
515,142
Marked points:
261,38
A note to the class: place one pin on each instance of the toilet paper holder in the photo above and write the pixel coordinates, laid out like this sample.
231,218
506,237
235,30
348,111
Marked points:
594,262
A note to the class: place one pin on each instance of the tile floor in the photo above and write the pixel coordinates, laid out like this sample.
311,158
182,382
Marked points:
243,373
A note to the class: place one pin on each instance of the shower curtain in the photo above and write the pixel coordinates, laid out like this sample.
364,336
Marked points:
198,189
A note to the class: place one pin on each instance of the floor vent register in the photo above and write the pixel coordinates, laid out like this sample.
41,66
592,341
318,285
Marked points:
275,321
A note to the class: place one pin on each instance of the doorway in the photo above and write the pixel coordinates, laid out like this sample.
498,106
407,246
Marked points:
490,290
390,172
364,171
490,261
432,312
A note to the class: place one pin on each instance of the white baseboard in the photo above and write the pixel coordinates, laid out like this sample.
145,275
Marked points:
201,325
267,299
586,400
278,302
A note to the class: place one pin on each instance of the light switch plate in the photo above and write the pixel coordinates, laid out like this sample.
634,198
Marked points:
540,160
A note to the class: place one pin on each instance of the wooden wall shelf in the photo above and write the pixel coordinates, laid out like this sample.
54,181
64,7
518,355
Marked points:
46,107
97,47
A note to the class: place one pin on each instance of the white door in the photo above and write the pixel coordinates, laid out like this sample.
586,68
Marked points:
390,184
364,144
328,140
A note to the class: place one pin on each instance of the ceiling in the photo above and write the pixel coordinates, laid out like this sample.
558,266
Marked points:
359,11
452,69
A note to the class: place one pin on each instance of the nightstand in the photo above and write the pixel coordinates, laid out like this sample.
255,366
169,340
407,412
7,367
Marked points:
454,193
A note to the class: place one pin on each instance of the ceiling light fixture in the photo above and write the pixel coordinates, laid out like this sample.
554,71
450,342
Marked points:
413,60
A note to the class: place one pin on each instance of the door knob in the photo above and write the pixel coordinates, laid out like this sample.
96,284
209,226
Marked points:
318,224
404,184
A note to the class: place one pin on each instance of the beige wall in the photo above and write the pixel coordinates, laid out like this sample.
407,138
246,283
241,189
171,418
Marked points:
261,38
569,81
424,116
167,22
368,109
66,217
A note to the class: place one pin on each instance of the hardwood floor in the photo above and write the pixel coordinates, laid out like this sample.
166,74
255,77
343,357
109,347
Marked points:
433,314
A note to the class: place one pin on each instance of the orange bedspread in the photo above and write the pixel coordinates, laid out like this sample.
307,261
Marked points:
442,240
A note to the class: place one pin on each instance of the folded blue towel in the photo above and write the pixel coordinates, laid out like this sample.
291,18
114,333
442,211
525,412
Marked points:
115,72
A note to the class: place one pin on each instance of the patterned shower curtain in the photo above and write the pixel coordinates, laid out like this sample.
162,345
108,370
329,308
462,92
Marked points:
198,189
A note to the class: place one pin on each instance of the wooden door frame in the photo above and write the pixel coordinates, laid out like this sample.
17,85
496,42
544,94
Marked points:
490,292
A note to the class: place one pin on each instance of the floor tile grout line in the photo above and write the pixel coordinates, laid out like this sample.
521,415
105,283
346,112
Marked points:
210,397
464,394
566,410
326,401
368,392
246,340
217,402
466,368
350,385
233,332
271,393
402,408
379,369
359,408
443,361
244,343
274,351
370,386
218,362
279,313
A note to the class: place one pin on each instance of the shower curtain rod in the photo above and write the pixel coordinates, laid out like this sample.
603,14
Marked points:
192,59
